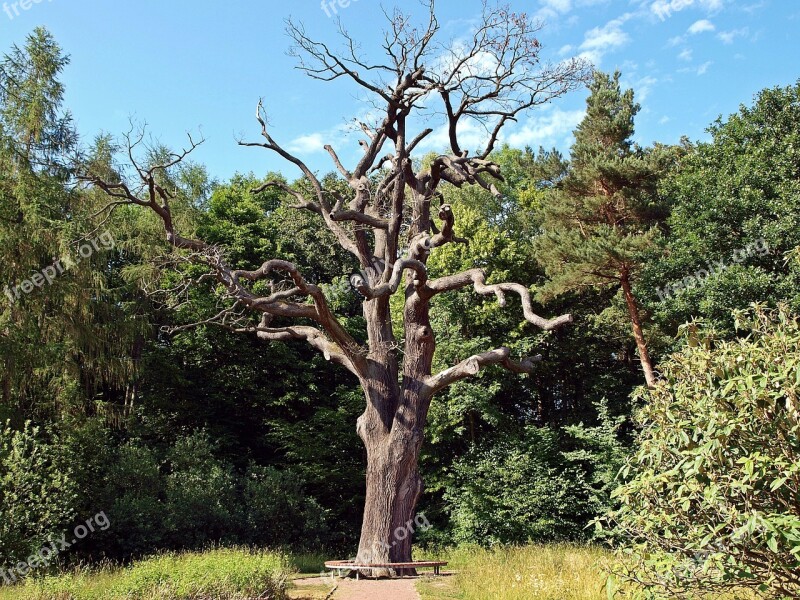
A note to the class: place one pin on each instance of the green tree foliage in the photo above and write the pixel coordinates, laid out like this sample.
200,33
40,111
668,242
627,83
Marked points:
475,418
37,492
603,216
711,497
544,485
202,437
735,215
66,339
189,495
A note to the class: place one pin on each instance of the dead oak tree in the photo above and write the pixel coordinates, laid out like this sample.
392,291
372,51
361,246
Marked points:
490,77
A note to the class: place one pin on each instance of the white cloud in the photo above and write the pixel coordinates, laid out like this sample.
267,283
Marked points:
664,120
341,137
643,87
600,40
663,9
481,63
686,54
701,26
471,136
308,144
728,37
548,129
561,6
565,49
701,70
551,9
751,8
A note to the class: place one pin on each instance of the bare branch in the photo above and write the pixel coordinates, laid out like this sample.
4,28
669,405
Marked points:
472,365
385,289
345,173
477,278
313,336
324,207
360,217
446,234
302,201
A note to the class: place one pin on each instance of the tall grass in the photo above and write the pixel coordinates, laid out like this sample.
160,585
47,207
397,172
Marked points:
554,572
308,563
234,574
557,572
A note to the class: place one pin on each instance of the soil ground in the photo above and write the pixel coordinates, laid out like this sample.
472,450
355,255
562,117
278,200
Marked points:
322,588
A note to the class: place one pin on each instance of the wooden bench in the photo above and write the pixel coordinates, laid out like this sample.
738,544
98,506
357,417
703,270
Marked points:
350,565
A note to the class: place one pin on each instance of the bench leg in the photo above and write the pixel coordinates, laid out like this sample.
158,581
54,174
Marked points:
436,571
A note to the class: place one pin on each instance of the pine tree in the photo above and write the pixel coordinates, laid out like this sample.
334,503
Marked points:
603,216
61,323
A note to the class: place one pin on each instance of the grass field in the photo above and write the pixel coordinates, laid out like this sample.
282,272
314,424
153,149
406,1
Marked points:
557,572
233,574
550,572
554,572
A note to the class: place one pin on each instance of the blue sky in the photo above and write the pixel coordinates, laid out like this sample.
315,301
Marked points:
197,65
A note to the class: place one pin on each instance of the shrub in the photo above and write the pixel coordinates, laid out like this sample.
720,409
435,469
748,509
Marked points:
546,485
200,493
37,492
135,492
277,512
711,500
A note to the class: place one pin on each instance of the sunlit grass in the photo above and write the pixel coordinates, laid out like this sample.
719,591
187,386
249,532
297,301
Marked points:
557,572
234,574
547,572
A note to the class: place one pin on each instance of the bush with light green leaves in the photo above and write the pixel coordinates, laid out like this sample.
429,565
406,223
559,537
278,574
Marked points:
711,501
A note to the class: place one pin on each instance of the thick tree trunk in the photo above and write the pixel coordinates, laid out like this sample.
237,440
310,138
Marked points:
392,431
393,489
641,345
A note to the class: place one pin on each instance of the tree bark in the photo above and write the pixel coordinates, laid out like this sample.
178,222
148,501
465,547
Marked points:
392,430
636,322
393,489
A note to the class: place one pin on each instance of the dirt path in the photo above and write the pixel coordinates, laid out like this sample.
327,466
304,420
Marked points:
351,589
381,589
